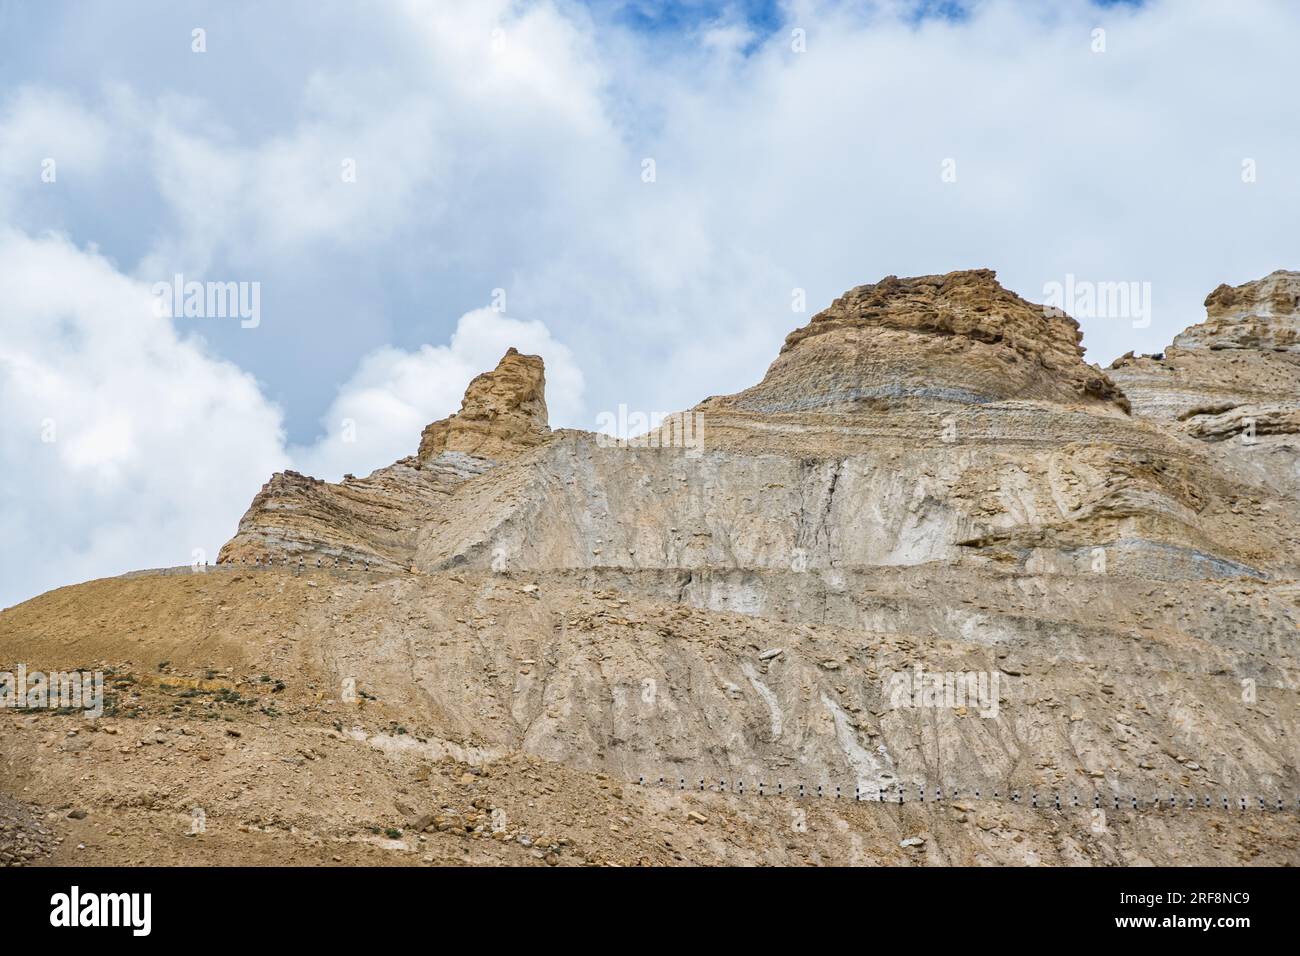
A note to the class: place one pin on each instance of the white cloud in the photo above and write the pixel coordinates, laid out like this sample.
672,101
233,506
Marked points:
484,89
45,136
514,160
123,444
127,446
337,177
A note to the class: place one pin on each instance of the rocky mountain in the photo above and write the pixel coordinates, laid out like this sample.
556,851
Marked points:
933,549
1237,373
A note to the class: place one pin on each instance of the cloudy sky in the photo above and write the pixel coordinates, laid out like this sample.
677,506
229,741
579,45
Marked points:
634,191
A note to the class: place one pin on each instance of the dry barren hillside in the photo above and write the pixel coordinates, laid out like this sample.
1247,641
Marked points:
930,578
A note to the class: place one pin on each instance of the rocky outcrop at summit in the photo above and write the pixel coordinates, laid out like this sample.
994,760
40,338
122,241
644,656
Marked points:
1244,358
1232,383
959,338
375,521
1263,315
503,413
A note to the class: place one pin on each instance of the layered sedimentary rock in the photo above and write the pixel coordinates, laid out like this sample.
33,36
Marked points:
928,480
503,413
918,428
375,520
1245,355
940,419
1262,315
1232,382
959,337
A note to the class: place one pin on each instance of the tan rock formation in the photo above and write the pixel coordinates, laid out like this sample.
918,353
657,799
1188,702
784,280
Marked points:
375,521
372,521
1245,354
958,338
1263,314
928,480
1232,382
939,419
503,413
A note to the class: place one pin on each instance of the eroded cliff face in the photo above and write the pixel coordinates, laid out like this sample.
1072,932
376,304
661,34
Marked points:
932,458
1232,383
928,480
1263,315
372,521
1244,358
921,421
959,337
503,413
919,430
375,521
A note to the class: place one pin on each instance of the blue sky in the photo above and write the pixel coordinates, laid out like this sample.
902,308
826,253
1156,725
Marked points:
503,146
675,17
